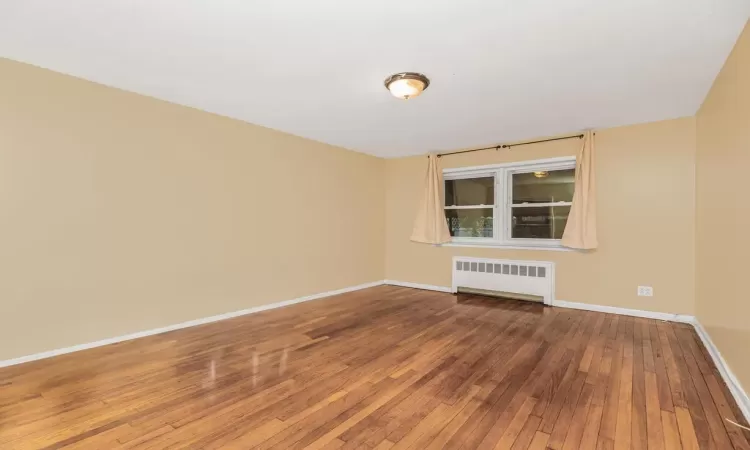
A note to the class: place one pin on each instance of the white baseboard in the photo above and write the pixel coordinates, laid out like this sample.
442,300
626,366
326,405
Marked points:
427,287
626,312
190,323
739,395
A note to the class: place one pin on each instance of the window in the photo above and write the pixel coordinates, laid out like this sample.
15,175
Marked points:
469,206
519,204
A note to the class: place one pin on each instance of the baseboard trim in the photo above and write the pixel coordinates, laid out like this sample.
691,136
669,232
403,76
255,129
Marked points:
190,323
739,395
427,287
626,312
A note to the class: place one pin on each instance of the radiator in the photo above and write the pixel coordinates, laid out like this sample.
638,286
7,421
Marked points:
527,279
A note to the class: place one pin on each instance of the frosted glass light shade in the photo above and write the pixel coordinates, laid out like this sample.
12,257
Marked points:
406,85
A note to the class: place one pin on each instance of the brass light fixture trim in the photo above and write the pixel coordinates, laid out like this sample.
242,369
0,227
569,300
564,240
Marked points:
406,85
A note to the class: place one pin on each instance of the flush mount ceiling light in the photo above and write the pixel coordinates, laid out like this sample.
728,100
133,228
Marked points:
406,85
541,174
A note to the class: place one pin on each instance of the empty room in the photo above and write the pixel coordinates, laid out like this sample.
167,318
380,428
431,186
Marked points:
378,225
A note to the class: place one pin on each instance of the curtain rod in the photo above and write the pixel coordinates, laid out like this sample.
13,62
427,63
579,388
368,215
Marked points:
498,147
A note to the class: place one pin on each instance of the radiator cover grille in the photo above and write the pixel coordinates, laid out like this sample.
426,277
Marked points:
535,278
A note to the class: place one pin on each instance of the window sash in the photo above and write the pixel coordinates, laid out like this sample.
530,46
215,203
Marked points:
503,207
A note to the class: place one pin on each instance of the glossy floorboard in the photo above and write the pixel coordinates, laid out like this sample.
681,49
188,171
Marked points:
384,368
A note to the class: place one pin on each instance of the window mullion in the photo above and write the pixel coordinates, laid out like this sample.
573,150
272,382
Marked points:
507,209
500,202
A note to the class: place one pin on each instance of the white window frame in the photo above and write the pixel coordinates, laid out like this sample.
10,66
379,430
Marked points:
502,209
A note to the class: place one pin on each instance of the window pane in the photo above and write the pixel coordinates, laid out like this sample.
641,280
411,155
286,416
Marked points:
470,222
544,186
544,222
470,192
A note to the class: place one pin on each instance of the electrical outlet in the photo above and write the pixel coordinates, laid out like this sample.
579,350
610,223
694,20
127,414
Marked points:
645,291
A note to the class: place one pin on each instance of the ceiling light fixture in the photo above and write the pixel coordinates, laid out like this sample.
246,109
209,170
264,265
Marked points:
541,174
406,85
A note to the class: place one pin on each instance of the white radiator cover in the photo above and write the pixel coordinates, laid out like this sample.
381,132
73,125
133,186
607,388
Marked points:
505,275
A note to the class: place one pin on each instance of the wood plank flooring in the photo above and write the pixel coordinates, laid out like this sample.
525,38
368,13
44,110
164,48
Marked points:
383,368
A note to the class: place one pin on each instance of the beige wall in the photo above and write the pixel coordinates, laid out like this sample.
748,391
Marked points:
723,211
645,176
121,213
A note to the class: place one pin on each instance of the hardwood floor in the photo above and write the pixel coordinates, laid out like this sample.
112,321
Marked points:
383,368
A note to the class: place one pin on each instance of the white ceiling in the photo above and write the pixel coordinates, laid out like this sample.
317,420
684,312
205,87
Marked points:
501,70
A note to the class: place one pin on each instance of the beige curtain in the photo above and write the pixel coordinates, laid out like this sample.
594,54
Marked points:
580,231
430,226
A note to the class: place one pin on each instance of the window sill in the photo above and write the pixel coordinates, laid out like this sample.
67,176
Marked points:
508,246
